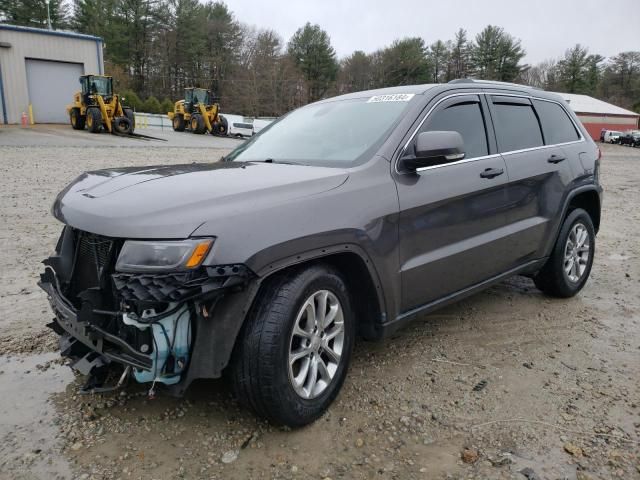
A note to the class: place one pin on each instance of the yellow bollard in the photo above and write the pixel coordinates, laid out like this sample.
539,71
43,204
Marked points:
31,114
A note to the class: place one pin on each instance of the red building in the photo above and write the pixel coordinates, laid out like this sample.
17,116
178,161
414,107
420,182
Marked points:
596,115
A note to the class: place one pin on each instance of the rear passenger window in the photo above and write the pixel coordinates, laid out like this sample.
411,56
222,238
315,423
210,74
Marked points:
556,125
465,118
516,125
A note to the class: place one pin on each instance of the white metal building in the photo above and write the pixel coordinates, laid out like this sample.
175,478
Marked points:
41,68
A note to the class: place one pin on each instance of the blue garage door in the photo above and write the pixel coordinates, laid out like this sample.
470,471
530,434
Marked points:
51,88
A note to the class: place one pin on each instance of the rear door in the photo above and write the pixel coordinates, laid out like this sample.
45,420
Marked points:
539,169
452,214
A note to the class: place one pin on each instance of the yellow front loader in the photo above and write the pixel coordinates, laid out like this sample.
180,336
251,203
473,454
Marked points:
198,112
97,107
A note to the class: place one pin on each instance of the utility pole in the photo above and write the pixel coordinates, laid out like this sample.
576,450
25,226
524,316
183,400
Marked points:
48,15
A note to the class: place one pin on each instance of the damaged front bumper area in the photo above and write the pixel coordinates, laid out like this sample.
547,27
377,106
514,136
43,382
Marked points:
166,328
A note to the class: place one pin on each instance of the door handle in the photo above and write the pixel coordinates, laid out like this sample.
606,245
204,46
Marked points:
491,172
555,158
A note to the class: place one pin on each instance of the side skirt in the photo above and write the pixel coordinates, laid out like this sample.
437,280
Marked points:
406,317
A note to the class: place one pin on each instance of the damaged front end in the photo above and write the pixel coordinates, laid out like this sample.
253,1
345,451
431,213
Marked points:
117,318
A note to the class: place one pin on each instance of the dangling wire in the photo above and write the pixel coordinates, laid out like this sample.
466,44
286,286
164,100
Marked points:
151,394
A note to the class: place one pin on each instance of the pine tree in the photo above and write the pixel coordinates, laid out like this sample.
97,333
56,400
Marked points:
224,41
356,72
439,57
496,55
460,58
404,63
310,49
33,13
578,71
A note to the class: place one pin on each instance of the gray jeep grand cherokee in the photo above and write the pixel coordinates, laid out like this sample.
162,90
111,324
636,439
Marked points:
349,216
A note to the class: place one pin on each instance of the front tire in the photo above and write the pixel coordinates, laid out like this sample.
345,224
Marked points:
197,124
94,120
293,356
567,269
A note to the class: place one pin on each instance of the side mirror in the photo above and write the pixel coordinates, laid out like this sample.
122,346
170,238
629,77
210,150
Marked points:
434,148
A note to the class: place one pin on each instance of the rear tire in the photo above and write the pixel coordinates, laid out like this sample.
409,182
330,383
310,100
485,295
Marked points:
77,120
567,269
94,120
280,339
197,124
178,123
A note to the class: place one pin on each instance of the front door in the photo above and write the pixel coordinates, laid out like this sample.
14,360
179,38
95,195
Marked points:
452,220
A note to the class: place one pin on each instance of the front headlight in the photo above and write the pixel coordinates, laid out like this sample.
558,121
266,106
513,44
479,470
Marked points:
160,256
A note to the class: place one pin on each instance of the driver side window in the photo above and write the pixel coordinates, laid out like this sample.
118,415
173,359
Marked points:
466,118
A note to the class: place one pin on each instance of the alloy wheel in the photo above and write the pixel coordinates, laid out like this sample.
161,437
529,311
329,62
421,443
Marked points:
316,343
576,252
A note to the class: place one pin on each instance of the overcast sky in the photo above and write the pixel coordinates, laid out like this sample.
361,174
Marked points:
546,27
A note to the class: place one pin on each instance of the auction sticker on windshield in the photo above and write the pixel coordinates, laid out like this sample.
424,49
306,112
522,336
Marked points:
396,97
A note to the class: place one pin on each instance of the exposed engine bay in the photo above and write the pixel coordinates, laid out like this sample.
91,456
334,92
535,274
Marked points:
116,325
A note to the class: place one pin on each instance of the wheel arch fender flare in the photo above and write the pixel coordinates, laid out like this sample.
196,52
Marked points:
565,211
329,254
232,311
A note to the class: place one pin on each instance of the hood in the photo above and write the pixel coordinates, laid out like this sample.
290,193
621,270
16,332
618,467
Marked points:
164,202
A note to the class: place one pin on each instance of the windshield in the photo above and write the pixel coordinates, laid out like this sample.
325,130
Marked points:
200,96
100,85
335,133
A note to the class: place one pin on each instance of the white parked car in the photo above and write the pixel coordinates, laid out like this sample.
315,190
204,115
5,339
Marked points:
260,123
611,136
240,129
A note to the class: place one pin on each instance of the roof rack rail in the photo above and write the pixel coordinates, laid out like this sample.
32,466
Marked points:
491,82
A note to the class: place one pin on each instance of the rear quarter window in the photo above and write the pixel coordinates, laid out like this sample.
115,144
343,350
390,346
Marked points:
516,125
557,127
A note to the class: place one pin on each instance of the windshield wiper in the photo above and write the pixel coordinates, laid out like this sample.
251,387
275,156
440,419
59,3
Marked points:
271,160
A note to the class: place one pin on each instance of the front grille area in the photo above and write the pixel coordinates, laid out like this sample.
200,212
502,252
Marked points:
94,259
94,248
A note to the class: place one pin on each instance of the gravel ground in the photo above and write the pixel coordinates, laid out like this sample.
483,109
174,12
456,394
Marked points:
64,136
506,384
